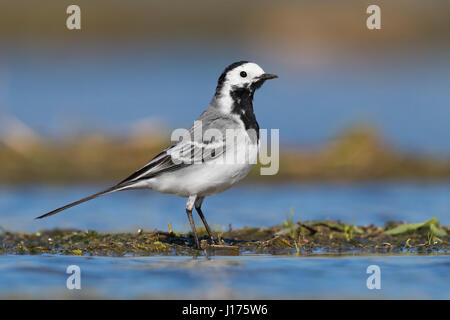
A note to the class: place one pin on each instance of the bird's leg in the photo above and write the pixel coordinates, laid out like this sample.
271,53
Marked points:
198,207
189,207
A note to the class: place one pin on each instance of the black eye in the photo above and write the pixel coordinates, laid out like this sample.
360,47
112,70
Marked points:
243,74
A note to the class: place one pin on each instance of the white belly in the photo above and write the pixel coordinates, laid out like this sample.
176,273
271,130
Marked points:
203,179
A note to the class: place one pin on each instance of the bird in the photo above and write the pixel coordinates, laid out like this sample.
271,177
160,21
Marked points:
195,168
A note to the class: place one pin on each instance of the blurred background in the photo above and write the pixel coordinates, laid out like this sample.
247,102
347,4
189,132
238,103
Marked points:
363,114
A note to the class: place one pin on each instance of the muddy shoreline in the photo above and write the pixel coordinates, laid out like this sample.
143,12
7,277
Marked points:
298,238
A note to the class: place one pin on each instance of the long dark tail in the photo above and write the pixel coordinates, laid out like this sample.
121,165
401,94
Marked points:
70,205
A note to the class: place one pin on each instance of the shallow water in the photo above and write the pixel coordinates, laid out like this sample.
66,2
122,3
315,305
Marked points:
245,276
415,277
244,205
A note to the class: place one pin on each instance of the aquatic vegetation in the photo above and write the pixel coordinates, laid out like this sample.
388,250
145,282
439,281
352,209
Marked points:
301,238
432,225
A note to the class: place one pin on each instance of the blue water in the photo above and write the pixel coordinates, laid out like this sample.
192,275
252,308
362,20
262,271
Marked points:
254,276
270,277
244,205
59,91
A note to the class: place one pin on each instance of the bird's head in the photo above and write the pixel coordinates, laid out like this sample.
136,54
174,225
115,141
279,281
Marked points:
242,74
238,77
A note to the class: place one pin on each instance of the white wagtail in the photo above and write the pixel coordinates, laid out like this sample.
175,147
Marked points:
230,109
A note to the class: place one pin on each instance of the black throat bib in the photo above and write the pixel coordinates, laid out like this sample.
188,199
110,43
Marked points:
243,107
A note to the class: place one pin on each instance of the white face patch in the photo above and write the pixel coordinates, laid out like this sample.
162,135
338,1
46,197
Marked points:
244,75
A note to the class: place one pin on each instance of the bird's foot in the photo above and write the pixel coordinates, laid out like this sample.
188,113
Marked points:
208,242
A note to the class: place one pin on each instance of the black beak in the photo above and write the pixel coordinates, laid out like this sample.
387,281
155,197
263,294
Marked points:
261,79
267,76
